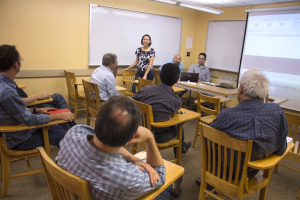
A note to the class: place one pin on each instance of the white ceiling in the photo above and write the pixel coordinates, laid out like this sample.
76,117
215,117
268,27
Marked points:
234,3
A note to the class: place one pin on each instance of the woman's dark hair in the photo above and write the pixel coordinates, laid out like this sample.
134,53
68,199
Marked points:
149,39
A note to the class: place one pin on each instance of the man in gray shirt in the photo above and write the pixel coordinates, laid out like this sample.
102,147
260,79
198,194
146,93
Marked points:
165,103
199,67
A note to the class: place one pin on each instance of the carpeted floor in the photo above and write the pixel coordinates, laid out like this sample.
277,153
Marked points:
284,184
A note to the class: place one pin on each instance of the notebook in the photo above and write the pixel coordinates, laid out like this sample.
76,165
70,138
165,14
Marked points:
59,111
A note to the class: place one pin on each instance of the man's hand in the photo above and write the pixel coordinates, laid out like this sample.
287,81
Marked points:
68,116
142,134
153,175
44,96
44,110
115,71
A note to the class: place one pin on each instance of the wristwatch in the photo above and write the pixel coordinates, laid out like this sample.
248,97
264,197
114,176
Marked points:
34,111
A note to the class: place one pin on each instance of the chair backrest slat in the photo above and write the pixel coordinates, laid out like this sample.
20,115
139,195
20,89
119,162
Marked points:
293,121
71,81
128,75
225,163
219,161
209,157
92,97
209,99
238,167
214,156
157,77
231,166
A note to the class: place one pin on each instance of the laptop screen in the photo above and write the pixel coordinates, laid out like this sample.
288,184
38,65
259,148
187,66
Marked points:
187,76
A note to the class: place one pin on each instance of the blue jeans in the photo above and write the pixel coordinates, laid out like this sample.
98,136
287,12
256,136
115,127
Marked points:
58,102
165,195
150,76
56,134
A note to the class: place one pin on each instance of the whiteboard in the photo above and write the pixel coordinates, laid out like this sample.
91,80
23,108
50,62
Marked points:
120,32
224,45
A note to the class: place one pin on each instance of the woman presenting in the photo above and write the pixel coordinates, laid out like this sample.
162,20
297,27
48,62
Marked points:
144,60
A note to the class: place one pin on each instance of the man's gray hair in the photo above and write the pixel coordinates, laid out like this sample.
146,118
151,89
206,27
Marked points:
255,84
108,58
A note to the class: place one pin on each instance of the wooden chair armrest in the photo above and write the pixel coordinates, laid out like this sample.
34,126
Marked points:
271,160
40,102
130,81
78,83
21,127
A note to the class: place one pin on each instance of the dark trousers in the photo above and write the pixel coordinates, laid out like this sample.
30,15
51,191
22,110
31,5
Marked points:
150,76
165,195
169,135
56,134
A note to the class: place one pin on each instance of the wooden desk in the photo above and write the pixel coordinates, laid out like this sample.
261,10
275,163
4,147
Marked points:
278,100
40,102
178,89
119,88
173,172
209,89
178,119
20,85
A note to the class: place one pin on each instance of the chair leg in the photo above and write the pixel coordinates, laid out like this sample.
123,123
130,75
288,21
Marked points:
6,168
179,148
276,168
299,195
1,175
88,122
76,108
263,191
196,134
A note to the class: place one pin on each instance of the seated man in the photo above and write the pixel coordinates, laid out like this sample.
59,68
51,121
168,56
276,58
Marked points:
177,61
164,103
204,74
99,156
251,119
58,102
105,77
13,110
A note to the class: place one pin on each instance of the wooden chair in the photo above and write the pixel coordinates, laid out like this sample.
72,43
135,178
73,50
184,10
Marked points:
143,82
157,77
212,113
63,184
92,99
293,121
33,104
224,182
146,121
8,156
128,80
74,95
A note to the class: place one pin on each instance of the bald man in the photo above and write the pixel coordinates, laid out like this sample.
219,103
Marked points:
176,60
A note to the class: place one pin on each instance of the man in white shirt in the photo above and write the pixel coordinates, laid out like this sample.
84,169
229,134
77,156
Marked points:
105,77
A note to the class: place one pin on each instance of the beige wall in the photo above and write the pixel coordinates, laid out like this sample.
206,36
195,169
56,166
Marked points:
53,34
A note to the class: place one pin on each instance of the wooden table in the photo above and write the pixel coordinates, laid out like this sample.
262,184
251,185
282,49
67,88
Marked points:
178,119
209,89
173,172
278,100
20,85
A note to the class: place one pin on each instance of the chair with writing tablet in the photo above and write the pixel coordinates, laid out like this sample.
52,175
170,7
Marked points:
128,80
75,97
232,182
293,121
212,112
146,121
8,156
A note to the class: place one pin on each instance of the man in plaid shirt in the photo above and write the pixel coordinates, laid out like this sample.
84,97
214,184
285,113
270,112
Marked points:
97,155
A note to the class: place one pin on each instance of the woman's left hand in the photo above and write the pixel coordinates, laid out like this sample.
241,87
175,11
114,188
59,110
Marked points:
145,77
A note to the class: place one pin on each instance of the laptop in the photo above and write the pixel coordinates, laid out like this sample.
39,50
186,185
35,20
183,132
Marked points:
187,76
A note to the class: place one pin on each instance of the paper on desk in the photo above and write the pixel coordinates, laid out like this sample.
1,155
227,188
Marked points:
141,155
187,82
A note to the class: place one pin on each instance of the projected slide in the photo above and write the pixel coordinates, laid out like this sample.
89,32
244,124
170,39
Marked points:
272,44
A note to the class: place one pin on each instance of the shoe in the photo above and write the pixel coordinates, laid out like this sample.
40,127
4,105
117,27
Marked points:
209,187
186,147
177,190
